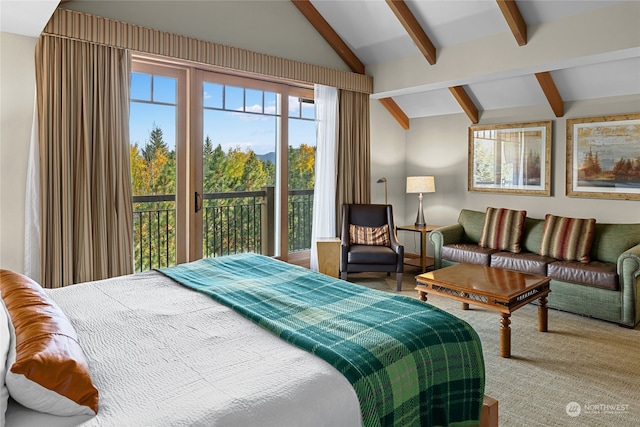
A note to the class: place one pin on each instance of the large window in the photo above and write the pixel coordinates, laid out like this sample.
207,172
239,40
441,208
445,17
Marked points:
236,177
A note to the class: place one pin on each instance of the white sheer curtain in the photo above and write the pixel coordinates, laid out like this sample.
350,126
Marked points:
324,195
32,205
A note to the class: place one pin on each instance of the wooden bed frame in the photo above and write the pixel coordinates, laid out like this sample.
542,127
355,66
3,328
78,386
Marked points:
489,416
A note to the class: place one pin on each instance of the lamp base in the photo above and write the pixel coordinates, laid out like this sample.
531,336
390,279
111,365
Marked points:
420,221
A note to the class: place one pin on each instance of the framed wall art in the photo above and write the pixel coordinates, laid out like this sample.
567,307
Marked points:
510,158
603,157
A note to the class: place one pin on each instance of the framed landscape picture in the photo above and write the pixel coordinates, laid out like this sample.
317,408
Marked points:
510,158
603,157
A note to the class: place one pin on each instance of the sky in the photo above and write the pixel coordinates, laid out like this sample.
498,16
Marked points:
230,129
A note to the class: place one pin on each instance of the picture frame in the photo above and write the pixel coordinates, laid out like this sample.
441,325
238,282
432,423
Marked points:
510,158
603,157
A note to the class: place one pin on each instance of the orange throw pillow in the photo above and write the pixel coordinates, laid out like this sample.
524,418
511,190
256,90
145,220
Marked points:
46,369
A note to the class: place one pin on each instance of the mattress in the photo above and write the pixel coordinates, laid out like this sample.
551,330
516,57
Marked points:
163,355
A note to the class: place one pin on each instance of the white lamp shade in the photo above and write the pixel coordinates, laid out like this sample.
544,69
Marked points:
421,184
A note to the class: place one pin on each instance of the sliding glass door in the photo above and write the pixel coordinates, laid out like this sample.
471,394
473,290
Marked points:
157,137
237,176
253,173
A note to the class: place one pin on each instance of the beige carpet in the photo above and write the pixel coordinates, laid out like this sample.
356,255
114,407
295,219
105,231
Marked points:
588,365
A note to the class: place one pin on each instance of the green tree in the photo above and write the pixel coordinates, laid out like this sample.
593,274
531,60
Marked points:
254,177
234,169
153,173
139,185
160,164
214,165
302,167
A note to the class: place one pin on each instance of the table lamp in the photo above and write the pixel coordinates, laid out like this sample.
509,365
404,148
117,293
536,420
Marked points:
421,184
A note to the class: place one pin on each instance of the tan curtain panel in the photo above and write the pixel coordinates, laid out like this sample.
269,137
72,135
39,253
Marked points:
109,32
83,112
353,147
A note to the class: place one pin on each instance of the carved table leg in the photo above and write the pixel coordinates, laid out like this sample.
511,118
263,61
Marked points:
542,315
505,335
422,295
465,306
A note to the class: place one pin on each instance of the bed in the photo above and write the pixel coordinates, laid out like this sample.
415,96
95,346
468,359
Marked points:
248,340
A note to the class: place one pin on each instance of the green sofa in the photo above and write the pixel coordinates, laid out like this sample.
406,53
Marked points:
606,288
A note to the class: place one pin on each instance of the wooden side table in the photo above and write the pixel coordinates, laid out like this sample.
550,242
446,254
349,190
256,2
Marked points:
423,261
329,255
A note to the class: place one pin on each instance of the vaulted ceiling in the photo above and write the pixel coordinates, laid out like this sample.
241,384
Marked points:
391,38
380,31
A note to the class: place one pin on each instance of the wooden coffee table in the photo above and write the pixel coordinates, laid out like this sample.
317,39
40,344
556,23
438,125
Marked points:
494,288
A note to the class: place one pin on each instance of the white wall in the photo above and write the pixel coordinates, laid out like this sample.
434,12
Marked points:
388,159
438,146
17,88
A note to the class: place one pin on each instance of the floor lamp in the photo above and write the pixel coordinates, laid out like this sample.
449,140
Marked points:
421,184
383,179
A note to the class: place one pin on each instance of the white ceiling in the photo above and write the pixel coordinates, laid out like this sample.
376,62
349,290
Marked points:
25,17
375,35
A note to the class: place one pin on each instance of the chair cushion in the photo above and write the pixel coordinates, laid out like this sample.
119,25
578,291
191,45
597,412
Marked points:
567,239
365,254
467,252
374,236
502,229
596,274
524,262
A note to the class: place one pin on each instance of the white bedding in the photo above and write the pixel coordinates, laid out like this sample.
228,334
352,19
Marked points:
163,355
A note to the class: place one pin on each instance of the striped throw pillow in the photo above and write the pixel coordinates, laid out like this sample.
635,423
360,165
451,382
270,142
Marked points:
502,229
567,239
372,236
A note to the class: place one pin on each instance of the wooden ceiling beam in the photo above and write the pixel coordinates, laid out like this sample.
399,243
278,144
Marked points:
326,31
413,28
551,92
465,102
514,18
396,112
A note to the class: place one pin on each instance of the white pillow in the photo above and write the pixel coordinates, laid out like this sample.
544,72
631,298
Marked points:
5,343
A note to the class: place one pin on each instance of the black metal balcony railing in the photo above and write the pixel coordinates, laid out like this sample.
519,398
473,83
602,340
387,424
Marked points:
300,219
232,223
154,219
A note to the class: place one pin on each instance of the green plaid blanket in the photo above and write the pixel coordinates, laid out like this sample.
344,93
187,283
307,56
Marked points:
410,363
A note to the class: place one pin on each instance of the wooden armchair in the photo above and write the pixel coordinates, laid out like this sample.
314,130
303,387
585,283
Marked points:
365,247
